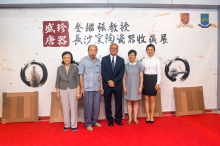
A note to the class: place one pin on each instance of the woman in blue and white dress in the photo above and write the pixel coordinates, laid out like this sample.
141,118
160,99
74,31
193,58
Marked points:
133,84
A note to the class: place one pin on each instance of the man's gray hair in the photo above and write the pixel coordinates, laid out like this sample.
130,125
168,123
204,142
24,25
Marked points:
92,45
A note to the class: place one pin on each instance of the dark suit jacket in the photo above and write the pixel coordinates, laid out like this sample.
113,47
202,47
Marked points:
108,74
63,81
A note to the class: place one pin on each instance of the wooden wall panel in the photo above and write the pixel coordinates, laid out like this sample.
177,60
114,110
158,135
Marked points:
158,106
56,112
189,100
20,107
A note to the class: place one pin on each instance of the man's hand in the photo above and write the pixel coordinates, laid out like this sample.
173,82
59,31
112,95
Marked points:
101,90
125,91
111,83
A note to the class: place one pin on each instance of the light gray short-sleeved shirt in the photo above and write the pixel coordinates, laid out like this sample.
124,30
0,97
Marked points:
91,71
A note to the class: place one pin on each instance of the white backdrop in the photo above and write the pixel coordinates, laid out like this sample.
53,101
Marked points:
21,41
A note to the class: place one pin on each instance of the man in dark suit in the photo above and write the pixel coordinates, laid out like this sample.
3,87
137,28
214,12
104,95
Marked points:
113,68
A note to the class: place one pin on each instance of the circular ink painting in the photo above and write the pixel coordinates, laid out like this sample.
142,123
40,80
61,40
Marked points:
177,67
34,74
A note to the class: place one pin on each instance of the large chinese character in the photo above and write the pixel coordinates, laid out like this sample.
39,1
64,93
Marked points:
152,39
78,27
121,39
50,40
101,27
113,27
61,27
87,39
77,40
61,40
163,38
99,36
109,38
140,39
90,27
131,38
124,27
49,28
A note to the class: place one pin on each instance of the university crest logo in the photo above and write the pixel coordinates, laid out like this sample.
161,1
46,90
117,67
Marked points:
204,21
184,20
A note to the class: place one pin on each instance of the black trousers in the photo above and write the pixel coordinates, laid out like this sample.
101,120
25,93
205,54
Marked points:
118,104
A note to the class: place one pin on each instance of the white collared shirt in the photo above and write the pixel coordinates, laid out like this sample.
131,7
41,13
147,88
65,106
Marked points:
151,66
114,58
133,63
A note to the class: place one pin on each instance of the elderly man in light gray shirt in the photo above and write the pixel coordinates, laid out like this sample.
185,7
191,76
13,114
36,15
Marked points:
91,86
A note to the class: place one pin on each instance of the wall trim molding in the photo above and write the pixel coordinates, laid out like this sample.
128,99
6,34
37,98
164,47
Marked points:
109,5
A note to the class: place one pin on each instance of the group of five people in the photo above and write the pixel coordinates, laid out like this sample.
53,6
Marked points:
111,75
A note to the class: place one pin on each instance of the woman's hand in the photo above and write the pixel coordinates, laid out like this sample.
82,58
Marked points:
156,86
125,91
140,90
78,95
58,95
82,92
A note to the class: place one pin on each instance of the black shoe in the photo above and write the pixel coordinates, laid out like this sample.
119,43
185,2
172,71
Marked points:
110,123
151,122
65,128
119,122
148,121
74,129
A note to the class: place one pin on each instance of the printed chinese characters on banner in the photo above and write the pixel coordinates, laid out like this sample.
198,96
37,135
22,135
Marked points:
106,34
55,33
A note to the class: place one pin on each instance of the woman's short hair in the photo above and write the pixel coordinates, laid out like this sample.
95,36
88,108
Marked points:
132,51
150,45
67,52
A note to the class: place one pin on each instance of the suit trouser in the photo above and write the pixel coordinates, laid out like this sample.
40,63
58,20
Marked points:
69,105
91,101
118,104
